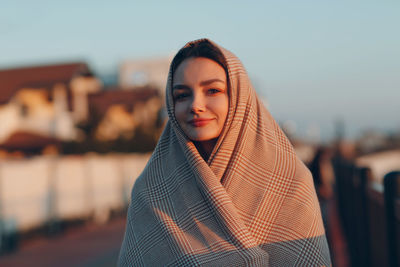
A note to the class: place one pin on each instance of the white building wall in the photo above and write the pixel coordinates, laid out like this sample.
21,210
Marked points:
143,72
36,190
9,120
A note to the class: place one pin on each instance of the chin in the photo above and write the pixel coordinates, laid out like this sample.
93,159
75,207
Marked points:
202,137
201,134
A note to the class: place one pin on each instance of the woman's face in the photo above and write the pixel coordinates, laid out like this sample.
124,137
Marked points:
200,94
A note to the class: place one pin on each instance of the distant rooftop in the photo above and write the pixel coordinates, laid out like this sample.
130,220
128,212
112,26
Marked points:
100,102
44,76
28,141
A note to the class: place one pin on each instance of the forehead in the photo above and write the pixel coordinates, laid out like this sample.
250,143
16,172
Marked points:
197,69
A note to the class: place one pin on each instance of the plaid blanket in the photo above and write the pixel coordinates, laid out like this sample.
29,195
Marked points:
252,203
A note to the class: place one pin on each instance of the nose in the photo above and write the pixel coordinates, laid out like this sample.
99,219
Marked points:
198,104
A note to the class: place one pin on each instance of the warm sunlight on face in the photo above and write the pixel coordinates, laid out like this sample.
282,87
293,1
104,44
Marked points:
201,99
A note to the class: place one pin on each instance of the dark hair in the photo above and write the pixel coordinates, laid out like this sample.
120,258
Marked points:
201,48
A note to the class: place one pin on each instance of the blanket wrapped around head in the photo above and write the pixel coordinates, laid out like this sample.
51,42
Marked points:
252,203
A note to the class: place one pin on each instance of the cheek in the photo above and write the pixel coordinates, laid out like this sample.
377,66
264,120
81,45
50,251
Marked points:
221,107
180,111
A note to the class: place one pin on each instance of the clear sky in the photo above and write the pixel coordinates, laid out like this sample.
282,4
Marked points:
314,61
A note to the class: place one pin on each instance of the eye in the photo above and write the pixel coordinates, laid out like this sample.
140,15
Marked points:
213,91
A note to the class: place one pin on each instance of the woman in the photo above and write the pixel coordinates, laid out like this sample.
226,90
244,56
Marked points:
223,186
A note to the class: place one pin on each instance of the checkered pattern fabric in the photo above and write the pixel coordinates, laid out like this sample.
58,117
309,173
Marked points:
252,204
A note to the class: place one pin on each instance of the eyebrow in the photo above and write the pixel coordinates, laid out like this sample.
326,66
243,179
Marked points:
203,83
207,82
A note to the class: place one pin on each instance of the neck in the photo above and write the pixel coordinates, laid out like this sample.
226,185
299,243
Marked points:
205,148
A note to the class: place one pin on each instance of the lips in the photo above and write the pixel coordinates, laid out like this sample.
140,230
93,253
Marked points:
199,122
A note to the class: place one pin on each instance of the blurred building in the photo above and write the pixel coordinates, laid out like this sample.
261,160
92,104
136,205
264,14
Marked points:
46,105
45,100
145,72
371,141
117,113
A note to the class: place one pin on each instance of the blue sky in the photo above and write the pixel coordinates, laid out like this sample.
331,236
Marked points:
315,61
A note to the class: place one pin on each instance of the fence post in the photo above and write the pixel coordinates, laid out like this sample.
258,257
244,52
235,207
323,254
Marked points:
391,183
362,224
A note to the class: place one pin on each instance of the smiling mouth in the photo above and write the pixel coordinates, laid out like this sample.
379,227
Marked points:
199,122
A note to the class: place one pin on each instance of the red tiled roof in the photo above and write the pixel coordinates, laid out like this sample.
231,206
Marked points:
37,77
22,140
101,101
